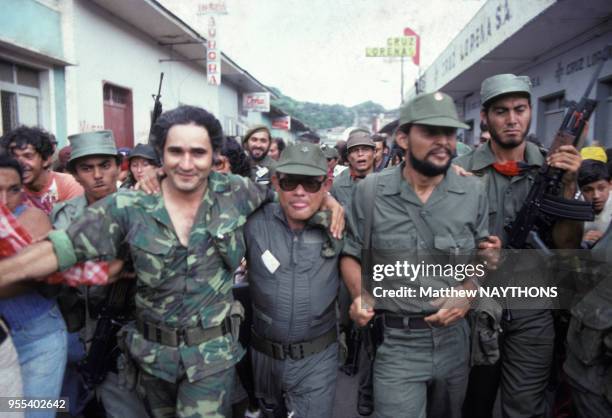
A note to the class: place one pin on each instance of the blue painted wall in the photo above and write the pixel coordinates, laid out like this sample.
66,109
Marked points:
60,106
32,25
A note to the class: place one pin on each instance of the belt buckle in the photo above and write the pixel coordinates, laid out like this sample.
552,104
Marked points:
406,322
295,351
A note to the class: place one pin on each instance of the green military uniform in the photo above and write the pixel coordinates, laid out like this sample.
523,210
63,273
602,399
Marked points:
118,401
527,346
294,302
589,341
421,371
342,188
185,344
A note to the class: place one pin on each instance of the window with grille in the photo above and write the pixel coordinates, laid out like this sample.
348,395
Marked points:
551,112
19,96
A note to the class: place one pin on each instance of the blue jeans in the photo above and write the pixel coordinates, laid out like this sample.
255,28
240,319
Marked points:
41,346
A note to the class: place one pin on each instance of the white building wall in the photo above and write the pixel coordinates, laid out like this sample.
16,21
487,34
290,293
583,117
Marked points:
108,50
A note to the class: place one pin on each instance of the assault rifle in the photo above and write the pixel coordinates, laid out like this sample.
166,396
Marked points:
157,108
102,354
544,205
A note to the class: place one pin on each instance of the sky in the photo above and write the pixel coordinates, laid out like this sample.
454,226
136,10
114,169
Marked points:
314,50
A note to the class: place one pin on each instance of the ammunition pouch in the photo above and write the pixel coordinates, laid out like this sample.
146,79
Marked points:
127,369
572,209
590,331
485,329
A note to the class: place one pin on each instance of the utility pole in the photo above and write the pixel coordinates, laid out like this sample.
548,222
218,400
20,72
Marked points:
402,80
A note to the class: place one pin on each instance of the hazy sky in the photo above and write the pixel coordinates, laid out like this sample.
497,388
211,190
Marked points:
314,50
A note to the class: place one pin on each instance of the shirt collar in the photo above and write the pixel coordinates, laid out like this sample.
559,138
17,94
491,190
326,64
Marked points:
484,157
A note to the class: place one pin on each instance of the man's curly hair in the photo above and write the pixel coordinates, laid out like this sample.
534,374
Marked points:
186,115
42,141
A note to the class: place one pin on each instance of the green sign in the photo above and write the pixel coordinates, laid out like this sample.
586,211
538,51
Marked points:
399,46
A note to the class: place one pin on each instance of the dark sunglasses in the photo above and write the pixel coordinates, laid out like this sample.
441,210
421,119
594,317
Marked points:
310,184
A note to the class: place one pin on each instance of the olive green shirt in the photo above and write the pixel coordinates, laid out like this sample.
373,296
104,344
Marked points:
456,214
506,194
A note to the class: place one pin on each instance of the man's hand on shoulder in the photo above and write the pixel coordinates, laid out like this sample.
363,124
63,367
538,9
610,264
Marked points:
337,218
151,184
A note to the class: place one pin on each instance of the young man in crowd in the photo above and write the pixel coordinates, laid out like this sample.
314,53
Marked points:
34,148
95,164
36,324
594,183
507,164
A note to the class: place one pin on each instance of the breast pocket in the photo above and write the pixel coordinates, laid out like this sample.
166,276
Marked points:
228,239
451,244
150,257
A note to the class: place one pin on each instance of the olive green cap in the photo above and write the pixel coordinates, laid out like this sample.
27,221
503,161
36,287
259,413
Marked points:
92,143
254,129
432,109
359,137
330,152
302,158
501,84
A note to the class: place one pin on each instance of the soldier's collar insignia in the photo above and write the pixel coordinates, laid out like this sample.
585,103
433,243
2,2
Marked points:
438,96
304,149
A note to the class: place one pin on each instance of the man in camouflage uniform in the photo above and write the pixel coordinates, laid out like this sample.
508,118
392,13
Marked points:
508,164
257,142
185,245
95,164
293,276
421,366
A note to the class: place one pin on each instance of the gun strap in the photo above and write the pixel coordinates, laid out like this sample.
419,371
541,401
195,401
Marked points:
424,231
371,183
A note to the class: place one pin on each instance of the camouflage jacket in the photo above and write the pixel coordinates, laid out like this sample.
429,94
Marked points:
178,287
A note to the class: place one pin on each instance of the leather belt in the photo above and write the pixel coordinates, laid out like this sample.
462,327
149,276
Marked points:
295,351
404,322
173,336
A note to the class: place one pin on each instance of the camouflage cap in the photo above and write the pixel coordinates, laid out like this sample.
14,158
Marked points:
254,129
92,143
145,151
359,137
432,109
501,84
302,158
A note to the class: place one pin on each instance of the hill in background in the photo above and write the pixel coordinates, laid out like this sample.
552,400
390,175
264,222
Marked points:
324,116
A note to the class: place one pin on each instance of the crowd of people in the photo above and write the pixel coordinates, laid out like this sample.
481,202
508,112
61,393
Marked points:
202,275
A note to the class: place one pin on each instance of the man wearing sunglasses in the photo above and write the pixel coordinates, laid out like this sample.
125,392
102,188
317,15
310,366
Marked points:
293,276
